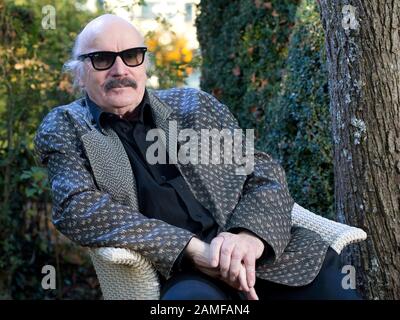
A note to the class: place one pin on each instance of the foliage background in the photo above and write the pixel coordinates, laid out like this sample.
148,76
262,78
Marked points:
264,59
31,84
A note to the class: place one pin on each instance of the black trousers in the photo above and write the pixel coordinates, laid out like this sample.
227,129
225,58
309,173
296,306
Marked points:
195,285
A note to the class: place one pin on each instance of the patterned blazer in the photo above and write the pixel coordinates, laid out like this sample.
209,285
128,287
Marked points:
95,199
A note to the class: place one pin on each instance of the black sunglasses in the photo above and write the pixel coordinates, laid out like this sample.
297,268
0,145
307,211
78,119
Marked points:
103,60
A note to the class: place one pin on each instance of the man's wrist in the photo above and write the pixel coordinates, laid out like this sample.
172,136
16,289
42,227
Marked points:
192,247
198,252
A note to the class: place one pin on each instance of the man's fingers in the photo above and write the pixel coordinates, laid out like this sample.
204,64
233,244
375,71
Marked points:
236,263
215,247
252,295
234,256
250,265
243,280
240,283
225,257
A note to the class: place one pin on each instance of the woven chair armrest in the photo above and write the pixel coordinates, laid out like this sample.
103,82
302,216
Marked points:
125,274
338,235
120,256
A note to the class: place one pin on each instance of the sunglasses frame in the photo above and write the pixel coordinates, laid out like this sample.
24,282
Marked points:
115,54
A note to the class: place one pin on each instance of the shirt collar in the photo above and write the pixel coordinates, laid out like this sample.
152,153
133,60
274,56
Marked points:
142,112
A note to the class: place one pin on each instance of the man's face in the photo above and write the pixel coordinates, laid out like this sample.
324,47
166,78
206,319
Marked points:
117,37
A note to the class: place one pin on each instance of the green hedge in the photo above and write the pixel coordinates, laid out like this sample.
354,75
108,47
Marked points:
300,134
265,60
244,46
30,85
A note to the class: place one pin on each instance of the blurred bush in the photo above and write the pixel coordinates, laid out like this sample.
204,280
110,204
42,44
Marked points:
31,83
265,60
172,59
298,117
244,49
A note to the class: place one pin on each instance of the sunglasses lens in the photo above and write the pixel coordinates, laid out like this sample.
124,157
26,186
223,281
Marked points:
133,57
103,60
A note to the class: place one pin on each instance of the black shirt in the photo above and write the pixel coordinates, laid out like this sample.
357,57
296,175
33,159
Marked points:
162,191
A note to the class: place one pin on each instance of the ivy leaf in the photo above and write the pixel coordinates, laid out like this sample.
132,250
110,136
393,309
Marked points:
30,192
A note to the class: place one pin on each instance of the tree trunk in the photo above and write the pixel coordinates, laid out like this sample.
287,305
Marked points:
362,39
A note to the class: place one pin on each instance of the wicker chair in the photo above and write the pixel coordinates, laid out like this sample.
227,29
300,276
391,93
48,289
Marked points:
126,275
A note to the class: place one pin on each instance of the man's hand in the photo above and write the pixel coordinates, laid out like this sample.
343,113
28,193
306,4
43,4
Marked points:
199,252
230,252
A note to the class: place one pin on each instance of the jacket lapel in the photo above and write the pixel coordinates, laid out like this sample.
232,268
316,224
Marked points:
108,158
216,186
110,164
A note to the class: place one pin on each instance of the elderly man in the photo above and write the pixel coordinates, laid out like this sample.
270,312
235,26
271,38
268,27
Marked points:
208,231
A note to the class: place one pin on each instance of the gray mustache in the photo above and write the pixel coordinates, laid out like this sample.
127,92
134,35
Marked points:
120,83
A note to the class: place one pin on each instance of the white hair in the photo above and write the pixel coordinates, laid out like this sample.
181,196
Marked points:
75,67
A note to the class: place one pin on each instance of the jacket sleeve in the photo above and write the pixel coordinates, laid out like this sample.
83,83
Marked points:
265,205
91,217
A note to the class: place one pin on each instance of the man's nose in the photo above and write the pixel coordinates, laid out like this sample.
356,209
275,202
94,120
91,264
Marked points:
119,68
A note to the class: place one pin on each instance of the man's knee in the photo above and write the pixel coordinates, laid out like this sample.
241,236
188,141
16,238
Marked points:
193,289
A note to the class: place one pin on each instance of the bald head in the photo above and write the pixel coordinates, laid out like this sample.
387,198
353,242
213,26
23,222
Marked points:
106,25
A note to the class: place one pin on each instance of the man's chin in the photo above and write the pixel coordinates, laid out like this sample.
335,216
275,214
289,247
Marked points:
121,97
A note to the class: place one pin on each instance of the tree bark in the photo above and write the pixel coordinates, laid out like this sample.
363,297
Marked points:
363,55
